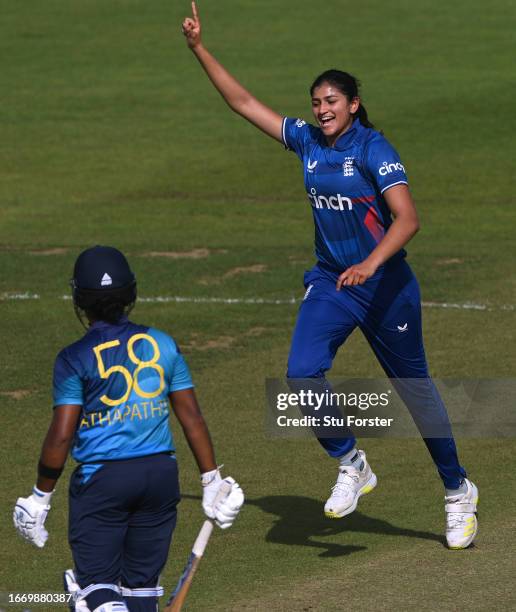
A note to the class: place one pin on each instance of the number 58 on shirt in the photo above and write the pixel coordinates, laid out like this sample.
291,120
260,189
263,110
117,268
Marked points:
130,379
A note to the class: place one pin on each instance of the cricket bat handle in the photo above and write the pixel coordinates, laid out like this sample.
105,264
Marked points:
197,552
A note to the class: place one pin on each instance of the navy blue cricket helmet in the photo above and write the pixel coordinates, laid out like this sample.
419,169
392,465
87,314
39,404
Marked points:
103,284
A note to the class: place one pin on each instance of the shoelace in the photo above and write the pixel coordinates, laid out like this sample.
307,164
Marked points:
456,519
347,478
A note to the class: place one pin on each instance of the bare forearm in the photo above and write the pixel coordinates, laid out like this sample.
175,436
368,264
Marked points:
53,457
236,96
56,446
199,441
397,236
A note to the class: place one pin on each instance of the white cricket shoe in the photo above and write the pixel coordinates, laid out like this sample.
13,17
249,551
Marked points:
351,484
461,519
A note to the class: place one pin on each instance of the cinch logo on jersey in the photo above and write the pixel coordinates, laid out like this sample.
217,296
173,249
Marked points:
334,202
387,168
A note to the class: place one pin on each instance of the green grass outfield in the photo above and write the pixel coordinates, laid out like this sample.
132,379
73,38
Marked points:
110,133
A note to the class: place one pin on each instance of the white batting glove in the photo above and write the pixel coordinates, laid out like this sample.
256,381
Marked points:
226,509
210,486
29,517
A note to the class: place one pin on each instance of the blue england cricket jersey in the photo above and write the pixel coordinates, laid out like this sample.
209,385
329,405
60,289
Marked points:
345,186
121,375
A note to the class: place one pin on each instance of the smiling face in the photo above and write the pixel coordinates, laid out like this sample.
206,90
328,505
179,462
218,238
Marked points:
333,111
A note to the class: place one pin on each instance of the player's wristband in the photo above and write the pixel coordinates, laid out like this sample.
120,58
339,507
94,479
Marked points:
48,472
42,497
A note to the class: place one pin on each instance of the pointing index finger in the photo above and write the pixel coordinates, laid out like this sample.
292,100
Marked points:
194,11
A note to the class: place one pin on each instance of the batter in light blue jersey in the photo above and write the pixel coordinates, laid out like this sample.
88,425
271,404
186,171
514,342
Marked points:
112,392
124,415
364,216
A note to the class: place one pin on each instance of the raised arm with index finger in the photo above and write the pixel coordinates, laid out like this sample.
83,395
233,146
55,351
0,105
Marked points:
236,96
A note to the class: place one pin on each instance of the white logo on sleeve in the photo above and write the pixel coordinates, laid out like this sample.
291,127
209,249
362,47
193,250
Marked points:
308,289
300,123
387,168
106,280
402,328
311,165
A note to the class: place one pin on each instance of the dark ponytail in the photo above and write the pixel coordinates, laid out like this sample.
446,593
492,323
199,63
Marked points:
362,116
105,305
348,85
110,311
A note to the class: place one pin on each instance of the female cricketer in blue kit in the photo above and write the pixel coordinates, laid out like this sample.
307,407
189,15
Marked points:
364,215
112,390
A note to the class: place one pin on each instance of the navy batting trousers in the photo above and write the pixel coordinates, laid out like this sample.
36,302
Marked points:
121,518
387,309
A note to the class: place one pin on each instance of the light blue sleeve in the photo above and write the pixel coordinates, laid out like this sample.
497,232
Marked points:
384,164
181,378
176,369
67,386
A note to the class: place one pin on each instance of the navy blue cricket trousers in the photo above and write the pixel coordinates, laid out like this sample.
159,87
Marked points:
121,520
388,301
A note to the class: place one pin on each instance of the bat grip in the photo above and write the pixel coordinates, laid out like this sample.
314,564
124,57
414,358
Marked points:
204,534
202,539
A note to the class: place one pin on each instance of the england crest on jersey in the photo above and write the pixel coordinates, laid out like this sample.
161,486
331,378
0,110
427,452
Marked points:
348,166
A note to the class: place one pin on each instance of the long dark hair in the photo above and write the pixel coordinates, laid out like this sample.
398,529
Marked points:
348,85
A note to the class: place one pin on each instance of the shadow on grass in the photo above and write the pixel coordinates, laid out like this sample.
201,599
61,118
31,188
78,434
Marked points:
300,519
